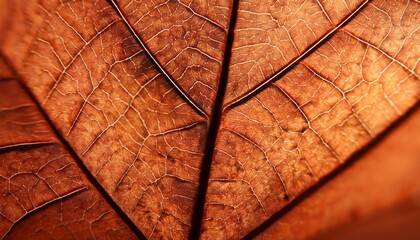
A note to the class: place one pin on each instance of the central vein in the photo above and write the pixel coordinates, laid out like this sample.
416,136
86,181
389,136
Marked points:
213,129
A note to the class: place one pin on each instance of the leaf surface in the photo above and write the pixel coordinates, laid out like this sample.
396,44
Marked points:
363,195
201,118
42,187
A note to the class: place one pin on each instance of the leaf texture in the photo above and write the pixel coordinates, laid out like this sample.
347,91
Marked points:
41,185
141,91
282,139
365,189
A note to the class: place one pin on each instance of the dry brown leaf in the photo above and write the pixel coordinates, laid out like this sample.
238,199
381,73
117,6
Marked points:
192,118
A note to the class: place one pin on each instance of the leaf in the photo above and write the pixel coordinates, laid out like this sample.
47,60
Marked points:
200,118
